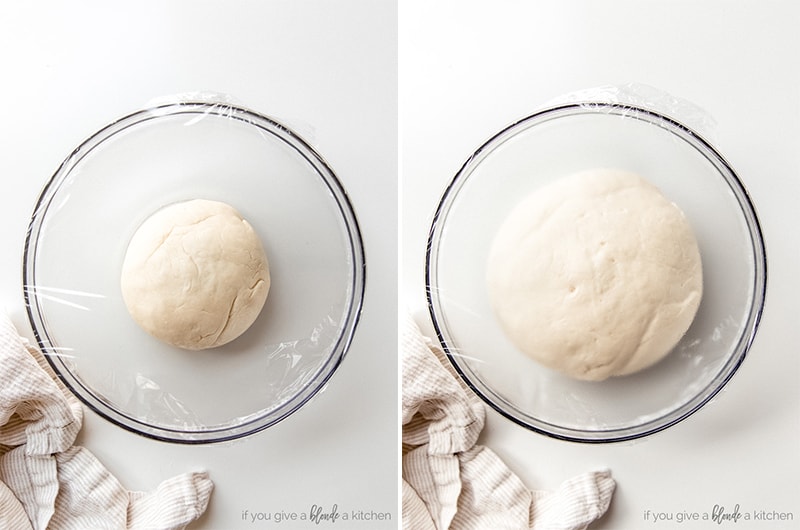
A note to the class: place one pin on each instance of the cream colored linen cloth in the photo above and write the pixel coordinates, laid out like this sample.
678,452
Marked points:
450,482
46,482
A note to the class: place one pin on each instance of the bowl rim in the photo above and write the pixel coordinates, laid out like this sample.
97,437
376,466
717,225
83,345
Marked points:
748,329
268,416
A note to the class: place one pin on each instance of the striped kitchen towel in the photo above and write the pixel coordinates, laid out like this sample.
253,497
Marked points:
452,483
46,482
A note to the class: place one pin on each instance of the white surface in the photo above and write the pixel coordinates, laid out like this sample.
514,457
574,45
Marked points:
327,69
467,71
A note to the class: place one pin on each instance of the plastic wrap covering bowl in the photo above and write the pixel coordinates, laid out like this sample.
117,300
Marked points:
94,203
546,146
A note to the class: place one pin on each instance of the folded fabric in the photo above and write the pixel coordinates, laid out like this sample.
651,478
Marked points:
46,482
452,483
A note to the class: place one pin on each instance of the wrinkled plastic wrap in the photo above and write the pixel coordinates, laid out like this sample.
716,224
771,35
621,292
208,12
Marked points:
181,148
637,95
630,127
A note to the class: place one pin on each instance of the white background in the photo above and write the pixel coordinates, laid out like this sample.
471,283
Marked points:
327,69
468,69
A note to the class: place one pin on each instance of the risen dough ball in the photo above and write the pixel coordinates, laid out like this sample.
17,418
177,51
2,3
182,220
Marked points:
595,275
195,275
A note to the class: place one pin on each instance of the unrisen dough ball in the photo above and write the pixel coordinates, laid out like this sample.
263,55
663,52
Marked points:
595,275
195,275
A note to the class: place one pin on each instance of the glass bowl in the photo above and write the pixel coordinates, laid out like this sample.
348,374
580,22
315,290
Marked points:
537,150
116,179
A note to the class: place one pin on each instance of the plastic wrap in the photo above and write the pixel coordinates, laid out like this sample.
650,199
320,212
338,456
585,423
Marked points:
637,95
176,149
634,128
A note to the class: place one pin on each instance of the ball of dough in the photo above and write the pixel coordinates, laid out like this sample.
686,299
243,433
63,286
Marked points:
595,275
195,275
